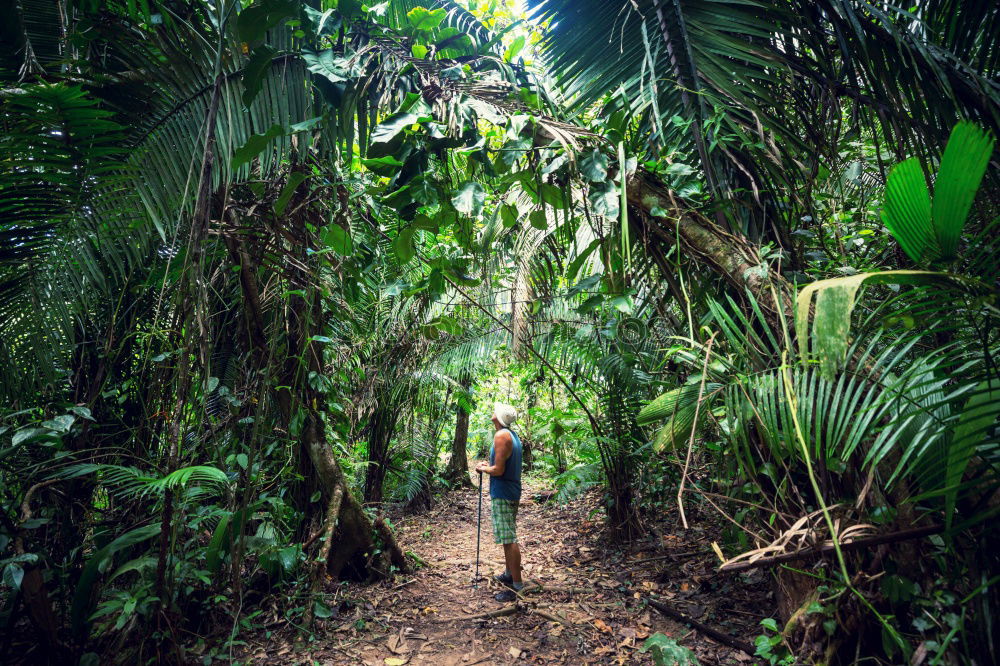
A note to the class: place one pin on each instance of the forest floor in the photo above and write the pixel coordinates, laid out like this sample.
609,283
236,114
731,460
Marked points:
591,608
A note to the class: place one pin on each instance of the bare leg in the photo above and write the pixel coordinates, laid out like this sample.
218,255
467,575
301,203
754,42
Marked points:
512,558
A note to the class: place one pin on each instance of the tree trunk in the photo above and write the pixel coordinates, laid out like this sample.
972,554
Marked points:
351,551
33,589
381,428
733,257
526,455
457,472
192,297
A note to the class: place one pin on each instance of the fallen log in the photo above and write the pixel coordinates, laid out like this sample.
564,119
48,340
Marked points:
714,634
816,553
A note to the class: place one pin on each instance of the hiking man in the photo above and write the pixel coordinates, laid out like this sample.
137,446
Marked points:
504,469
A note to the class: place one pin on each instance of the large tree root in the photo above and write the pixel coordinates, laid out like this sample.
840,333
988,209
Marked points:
354,552
332,512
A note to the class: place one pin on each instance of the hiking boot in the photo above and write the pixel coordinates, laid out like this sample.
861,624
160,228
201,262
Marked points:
504,579
506,596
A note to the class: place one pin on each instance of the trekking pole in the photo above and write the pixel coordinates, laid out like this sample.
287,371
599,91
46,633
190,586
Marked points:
479,525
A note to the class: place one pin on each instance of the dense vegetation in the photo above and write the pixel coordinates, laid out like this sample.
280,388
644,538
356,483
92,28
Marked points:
264,268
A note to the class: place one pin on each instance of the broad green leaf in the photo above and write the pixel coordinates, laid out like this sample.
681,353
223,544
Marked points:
538,220
328,64
337,239
667,652
254,21
255,71
422,18
418,51
29,434
590,304
508,214
289,557
513,150
835,300
514,49
13,574
254,145
454,41
586,284
388,165
138,564
61,423
213,555
430,332
294,180
907,211
679,169
324,23
469,198
962,167
403,245
447,324
594,166
306,125
623,304
82,412
423,191
389,128
546,194
604,199
427,223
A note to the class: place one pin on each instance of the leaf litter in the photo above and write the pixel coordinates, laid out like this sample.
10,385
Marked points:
584,601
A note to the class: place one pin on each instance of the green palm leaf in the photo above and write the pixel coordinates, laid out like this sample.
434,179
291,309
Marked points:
907,211
962,167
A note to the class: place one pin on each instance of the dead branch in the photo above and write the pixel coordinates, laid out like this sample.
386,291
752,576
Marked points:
500,612
855,544
556,588
552,617
714,634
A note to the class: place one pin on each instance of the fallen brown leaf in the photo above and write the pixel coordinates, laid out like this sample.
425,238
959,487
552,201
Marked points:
602,626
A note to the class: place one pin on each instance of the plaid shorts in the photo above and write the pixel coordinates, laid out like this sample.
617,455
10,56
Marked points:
504,520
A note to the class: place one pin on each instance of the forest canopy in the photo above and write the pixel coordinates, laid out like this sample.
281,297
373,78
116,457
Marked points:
266,267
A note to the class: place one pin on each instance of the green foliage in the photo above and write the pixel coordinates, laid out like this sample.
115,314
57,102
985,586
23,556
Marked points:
666,652
835,300
99,562
770,645
342,229
677,407
930,233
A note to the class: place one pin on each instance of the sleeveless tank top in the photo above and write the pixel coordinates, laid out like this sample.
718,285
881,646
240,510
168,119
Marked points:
508,485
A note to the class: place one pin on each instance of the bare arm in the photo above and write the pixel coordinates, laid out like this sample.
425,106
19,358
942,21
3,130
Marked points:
503,446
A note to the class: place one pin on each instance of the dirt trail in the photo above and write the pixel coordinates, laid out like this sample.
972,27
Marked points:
590,610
